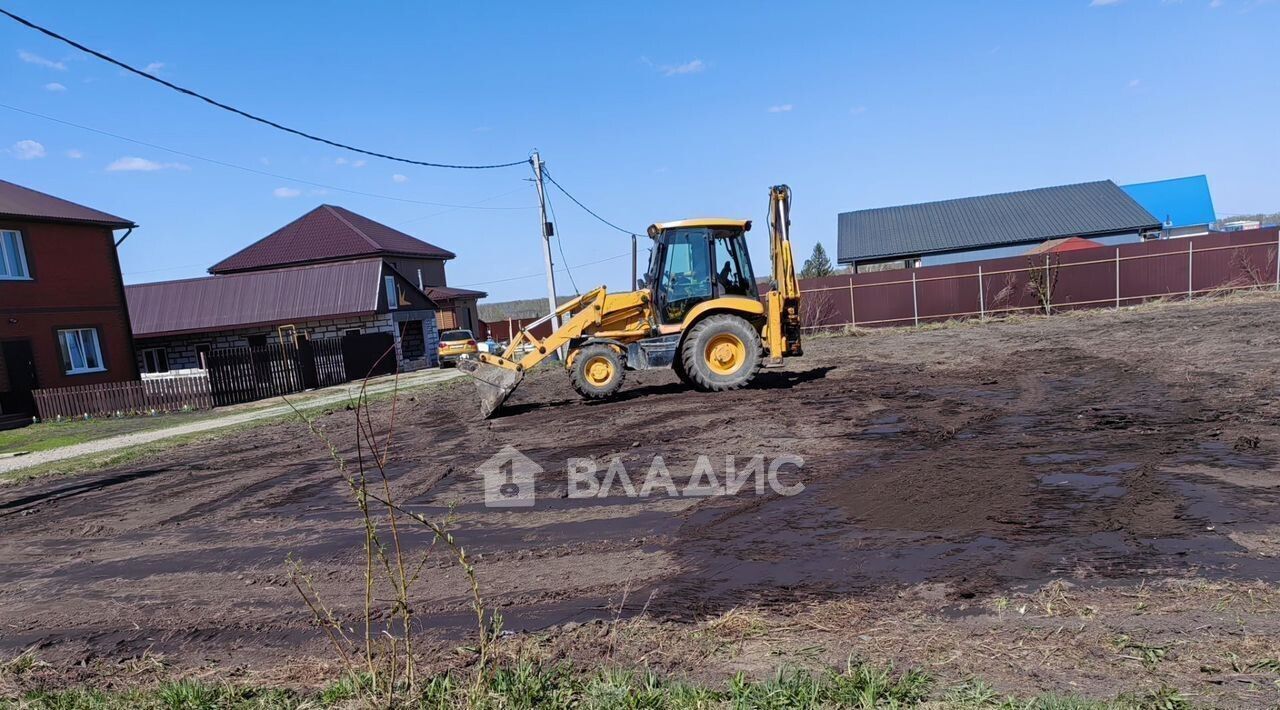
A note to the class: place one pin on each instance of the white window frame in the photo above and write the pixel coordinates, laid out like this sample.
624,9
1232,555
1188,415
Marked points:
393,293
84,342
22,256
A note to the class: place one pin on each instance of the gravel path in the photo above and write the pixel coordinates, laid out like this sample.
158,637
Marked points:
114,443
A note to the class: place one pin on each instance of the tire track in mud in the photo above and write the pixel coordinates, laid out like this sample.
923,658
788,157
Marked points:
975,459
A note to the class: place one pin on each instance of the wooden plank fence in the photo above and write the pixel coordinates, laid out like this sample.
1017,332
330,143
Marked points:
167,394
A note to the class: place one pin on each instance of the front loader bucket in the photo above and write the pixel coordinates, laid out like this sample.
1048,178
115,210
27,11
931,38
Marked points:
493,384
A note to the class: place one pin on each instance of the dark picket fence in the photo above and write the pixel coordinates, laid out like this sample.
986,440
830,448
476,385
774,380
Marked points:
162,394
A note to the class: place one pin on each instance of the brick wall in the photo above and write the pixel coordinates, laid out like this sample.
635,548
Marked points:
75,283
181,349
430,337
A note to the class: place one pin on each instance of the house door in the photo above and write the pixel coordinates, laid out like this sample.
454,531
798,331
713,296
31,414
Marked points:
20,365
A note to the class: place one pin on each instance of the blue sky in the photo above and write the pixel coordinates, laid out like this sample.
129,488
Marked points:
645,111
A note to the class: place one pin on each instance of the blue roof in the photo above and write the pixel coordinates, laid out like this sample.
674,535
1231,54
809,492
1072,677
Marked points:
1181,202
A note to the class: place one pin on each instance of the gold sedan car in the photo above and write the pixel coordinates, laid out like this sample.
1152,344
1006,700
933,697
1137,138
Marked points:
455,345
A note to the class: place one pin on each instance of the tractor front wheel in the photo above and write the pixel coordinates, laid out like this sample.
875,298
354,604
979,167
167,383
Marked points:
720,353
596,372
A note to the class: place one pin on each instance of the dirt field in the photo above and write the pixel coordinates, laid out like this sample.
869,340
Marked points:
1086,504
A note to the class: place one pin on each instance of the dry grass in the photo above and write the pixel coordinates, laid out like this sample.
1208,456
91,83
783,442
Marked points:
1225,296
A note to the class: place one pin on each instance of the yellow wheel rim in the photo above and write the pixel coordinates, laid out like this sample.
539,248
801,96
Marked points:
725,354
598,370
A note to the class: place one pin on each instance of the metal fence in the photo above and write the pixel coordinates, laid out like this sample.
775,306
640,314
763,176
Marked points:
247,374
1046,283
169,394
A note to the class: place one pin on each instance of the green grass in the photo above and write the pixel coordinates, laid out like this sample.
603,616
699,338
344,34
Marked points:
120,457
51,435
526,686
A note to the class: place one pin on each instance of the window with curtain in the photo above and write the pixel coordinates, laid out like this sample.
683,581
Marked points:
80,350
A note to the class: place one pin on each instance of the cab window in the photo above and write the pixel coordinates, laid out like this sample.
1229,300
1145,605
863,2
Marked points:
686,276
733,265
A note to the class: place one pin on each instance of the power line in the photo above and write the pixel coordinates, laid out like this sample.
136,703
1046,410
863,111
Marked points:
246,114
473,206
166,268
588,210
560,245
223,163
543,273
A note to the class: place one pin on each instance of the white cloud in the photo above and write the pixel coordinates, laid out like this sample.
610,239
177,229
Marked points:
780,108
54,86
339,161
264,160
1135,83
857,110
399,178
74,154
690,67
1215,3
38,60
352,163
286,192
27,150
131,163
154,67
1101,3
357,164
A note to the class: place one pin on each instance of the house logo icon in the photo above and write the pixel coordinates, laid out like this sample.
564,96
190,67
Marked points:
508,479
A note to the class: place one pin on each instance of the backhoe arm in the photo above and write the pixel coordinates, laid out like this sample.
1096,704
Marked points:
782,302
497,376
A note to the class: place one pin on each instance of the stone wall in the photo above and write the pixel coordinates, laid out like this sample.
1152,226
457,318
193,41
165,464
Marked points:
430,339
181,349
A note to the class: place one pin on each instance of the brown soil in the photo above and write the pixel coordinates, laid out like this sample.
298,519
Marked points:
946,471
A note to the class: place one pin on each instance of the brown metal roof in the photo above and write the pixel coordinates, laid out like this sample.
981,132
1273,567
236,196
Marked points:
23,202
212,303
444,293
326,233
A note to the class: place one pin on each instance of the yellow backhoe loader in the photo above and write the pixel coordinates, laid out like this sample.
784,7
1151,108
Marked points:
697,311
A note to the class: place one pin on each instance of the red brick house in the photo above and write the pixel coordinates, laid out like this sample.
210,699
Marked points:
63,318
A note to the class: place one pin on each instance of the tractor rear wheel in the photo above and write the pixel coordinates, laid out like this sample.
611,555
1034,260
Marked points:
596,372
677,364
721,352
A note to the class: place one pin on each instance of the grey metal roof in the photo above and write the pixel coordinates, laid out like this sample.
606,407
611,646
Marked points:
1083,210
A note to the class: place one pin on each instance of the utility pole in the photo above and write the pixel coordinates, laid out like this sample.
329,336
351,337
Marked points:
633,264
547,230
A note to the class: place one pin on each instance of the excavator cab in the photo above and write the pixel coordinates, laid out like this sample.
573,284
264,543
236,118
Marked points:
696,261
